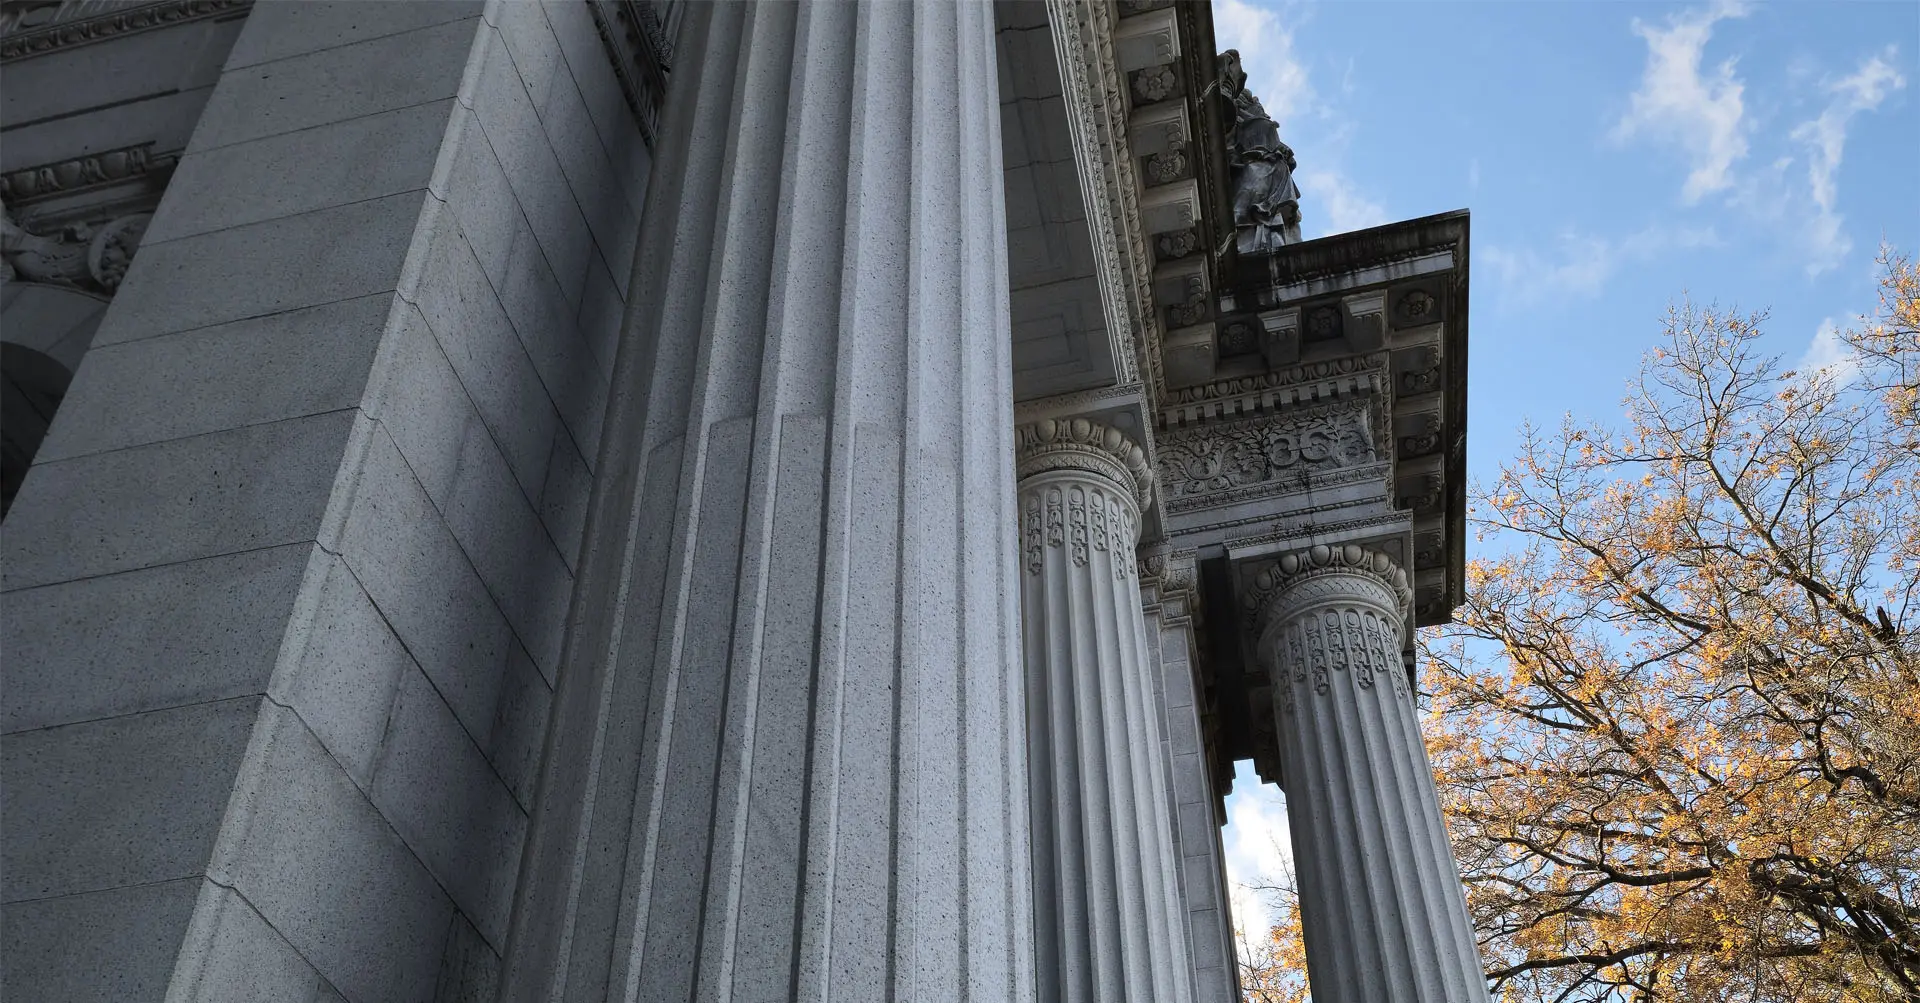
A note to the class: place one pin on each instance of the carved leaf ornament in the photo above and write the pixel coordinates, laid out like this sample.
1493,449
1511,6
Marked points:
1200,464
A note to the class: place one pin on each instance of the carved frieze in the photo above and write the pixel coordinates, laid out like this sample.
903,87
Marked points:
1206,460
89,257
31,29
79,174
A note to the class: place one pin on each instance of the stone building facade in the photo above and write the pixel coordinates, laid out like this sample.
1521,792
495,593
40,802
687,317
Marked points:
610,499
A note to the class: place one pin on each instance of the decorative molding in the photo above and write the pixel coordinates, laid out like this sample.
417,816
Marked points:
1080,519
1079,444
640,47
1330,378
1304,579
1425,440
93,258
1355,641
1208,459
84,173
80,22
1095,92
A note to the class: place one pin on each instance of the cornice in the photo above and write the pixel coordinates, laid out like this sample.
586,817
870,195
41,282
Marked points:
126,20
1309,381
1095,93
1079,444
76,175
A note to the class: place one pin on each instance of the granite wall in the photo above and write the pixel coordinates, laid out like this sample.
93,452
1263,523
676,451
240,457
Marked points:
285,587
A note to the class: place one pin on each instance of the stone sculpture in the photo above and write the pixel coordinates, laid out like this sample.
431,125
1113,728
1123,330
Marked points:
1266,203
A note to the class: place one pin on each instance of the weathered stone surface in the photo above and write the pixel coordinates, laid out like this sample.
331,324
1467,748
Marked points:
1107,914
125,801
178,634
96,947
815,407
318,862
1384,915
249,372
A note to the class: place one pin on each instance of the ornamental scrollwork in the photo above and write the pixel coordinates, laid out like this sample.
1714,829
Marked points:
1206,460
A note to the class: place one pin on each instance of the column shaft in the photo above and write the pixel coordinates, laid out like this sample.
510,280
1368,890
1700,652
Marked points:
1380,895
1106,876
786,759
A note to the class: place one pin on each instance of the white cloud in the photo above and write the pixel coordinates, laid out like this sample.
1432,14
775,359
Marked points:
1330,200
1825,138
1827,351
1335,195
1259,850
1676,102
1579,265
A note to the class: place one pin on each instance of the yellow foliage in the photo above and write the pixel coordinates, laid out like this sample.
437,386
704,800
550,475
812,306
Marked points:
1676,728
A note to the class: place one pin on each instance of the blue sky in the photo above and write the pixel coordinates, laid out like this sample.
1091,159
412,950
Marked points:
1616,158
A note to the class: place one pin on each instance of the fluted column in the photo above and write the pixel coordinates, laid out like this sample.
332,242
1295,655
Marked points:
1106,884
1380,897
787,759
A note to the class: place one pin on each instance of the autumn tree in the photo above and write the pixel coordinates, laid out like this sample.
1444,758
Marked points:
1676,725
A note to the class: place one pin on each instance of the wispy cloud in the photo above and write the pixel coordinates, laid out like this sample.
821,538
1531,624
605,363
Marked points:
1335,194
1579,265
1701,112
1825,138
1330,199
1259,849
1828,351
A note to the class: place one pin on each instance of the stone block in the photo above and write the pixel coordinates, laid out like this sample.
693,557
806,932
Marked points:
472,328
612,220
322,867
143,65
534,51
592,73
406,559
545,323
122,801
441,437
520,141
477,191
420,402
501,533
179,634
249,372
335,84
520,725
470,972
1209,954
221,493
279,30
264,268
348,668
108,946
563,502
1183,733
233,955
437,789
603,310
1197,831
294,172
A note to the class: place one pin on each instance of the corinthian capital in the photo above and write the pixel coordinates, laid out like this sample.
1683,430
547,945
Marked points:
1088,446
1307,578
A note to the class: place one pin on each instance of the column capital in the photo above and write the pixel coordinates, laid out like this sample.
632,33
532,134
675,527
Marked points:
1306,578
1085,445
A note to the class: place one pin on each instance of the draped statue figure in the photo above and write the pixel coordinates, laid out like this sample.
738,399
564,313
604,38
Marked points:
1266,203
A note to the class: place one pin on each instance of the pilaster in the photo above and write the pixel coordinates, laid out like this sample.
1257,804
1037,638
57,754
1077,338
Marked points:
1380,898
